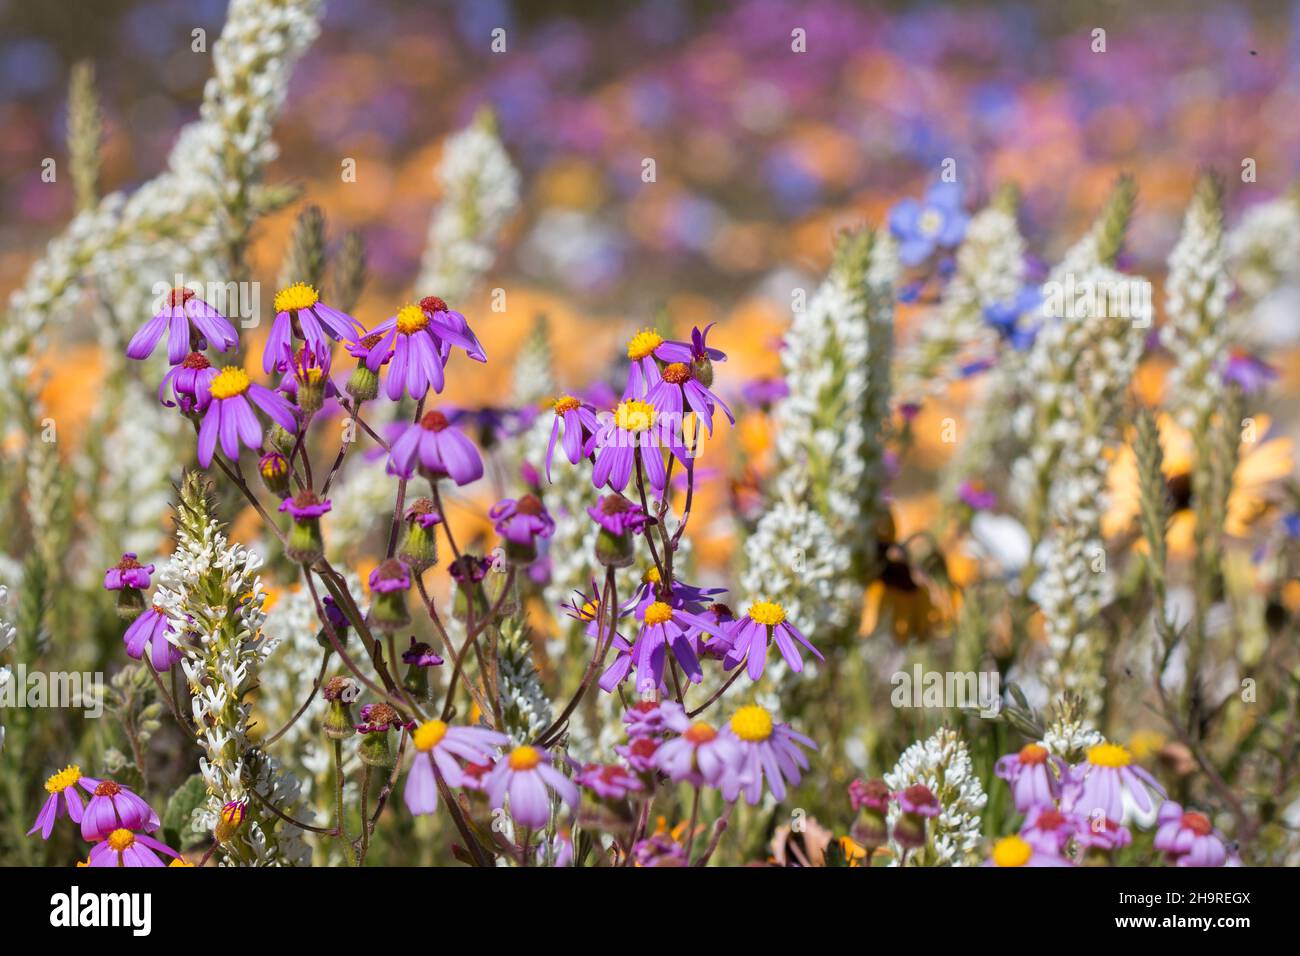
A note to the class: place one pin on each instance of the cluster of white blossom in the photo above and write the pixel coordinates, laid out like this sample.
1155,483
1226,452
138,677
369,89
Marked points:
829,443
1089,353
480,189
212,595
942,763
1196,305
1069,736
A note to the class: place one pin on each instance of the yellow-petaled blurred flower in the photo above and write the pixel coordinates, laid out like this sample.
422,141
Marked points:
899,602
1262,462
180,861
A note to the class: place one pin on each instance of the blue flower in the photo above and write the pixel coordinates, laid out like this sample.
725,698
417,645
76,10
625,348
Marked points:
1006,317
937,221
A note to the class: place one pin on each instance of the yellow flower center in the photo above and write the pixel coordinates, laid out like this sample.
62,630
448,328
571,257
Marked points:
525,758
589,610
634,416
180,861
121,839
411,319
1109,755
767,612
429,734
651,576
63,779
658,613
1011,851
297,296
643,344
751,723
229,383
566,403
931,222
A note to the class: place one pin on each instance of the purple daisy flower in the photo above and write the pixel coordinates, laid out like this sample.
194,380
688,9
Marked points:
299,311
128,573
1048,829
114,807
1188,837
657,850
921,227
439,748
1016,851
183,317
62,796
716,647
580,423
305,505
420,341
700,753
362,347
420,654
1108,781
150,630
191,383
618,515
437,449
639,752
645,718
1101,834
663,627
124,848
526,776
230,417
765,624
1031,778
633,430
1249,373
677,388
694,351
452,329
608,781
768,751
521,522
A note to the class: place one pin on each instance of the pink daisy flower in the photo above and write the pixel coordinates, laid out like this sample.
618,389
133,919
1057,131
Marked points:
1030,776
608,781
1048,829
526,776
124,848
188,321
700,753
1189,838
768,750
750,636
580,423
150,630
62,790
299,311
420,337
437,448
113,807
191,383
1110,783
230,417
439,748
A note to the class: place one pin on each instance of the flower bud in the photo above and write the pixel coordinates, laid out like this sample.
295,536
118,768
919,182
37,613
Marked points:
363,384
615,550
419,548
339,694
388,584
130,603
274,469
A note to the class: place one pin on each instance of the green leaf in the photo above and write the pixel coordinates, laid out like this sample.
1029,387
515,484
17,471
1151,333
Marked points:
178,831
